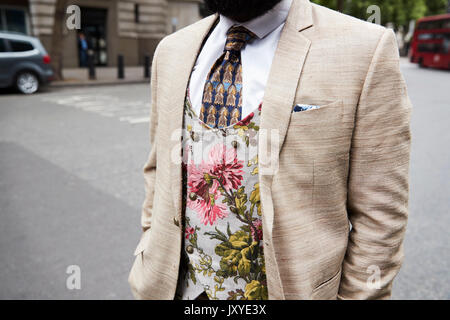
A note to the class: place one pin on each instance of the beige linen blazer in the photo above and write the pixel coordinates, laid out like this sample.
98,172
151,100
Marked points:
335,212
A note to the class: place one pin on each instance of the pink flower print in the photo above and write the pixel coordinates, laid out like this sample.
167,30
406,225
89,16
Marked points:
208,212
205,193
203,182
258,235
225,166
197,181
189,232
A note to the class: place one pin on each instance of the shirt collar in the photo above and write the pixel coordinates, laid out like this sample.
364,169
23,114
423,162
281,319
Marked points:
265,24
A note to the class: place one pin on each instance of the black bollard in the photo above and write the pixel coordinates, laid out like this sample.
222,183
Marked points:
120,67
91,66
146,66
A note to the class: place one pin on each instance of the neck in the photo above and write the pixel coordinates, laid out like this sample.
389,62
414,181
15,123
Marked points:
241,18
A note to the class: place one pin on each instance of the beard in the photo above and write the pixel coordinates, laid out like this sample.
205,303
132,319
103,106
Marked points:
241,10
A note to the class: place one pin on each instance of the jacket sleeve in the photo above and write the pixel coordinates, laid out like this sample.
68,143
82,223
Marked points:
378,188
150,165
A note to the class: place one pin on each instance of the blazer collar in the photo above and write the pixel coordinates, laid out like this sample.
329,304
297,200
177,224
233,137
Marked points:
187,55
279,95
300,14
284,76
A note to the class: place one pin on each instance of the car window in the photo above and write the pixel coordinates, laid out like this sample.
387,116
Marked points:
2,45
20,46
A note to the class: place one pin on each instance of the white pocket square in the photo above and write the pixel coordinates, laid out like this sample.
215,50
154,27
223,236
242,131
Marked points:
304,107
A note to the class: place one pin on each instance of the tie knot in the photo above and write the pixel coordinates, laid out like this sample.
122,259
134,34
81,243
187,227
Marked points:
237,38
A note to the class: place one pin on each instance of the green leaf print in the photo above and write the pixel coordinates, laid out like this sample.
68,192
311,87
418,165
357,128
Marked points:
239,254
255,290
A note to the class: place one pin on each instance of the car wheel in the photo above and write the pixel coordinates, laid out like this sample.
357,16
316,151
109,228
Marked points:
27,82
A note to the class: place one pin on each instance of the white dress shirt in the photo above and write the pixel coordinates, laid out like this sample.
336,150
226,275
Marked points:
256,57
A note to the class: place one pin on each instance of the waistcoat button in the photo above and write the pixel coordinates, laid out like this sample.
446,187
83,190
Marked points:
194,136
192,196
235,144
190,249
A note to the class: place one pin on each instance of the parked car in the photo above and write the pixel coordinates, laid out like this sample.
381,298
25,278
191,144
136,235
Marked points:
24,63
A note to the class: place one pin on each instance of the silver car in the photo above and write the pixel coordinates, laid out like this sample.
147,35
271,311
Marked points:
24,63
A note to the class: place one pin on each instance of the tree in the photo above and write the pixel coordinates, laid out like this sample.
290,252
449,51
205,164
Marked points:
398,12
436,6
57,38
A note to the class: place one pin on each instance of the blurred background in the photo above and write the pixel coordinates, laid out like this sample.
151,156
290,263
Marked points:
74,112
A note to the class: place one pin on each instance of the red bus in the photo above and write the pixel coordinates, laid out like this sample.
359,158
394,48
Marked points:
430,45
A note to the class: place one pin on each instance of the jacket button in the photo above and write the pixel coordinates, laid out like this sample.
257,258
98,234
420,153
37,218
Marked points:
176,222
190,249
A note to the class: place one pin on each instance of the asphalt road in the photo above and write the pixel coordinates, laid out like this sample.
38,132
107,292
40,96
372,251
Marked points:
71,189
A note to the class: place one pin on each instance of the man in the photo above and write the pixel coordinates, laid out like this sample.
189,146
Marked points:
82,49
279,164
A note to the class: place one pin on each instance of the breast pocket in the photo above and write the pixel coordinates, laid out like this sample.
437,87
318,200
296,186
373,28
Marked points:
320,126
328,113
318,135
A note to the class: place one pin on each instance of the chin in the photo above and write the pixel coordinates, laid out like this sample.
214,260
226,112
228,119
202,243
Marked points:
241,10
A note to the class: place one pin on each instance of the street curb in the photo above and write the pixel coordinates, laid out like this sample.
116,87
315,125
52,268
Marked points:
92,83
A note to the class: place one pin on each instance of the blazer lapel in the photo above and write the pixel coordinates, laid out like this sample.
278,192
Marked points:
285,72
276,111
183,65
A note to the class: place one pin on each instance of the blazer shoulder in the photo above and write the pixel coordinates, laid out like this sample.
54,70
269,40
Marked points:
179,38
345,27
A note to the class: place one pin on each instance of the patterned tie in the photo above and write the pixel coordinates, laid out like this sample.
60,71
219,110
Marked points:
222,95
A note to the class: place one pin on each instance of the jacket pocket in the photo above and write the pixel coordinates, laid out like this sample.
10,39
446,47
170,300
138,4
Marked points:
330,112
142,243
328,290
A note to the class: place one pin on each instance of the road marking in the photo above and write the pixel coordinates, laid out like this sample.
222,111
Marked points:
131,111
138,120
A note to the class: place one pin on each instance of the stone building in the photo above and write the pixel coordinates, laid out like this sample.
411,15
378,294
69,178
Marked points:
131,28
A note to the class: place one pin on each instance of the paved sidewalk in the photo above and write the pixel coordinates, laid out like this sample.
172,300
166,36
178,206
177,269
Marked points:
74,77
105,76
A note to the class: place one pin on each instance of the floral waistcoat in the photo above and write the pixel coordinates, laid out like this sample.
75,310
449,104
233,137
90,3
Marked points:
222,248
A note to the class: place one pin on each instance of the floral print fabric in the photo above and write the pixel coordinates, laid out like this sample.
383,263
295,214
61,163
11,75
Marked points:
223,248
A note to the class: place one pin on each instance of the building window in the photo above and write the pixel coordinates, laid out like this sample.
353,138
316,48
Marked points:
136,12
13,19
